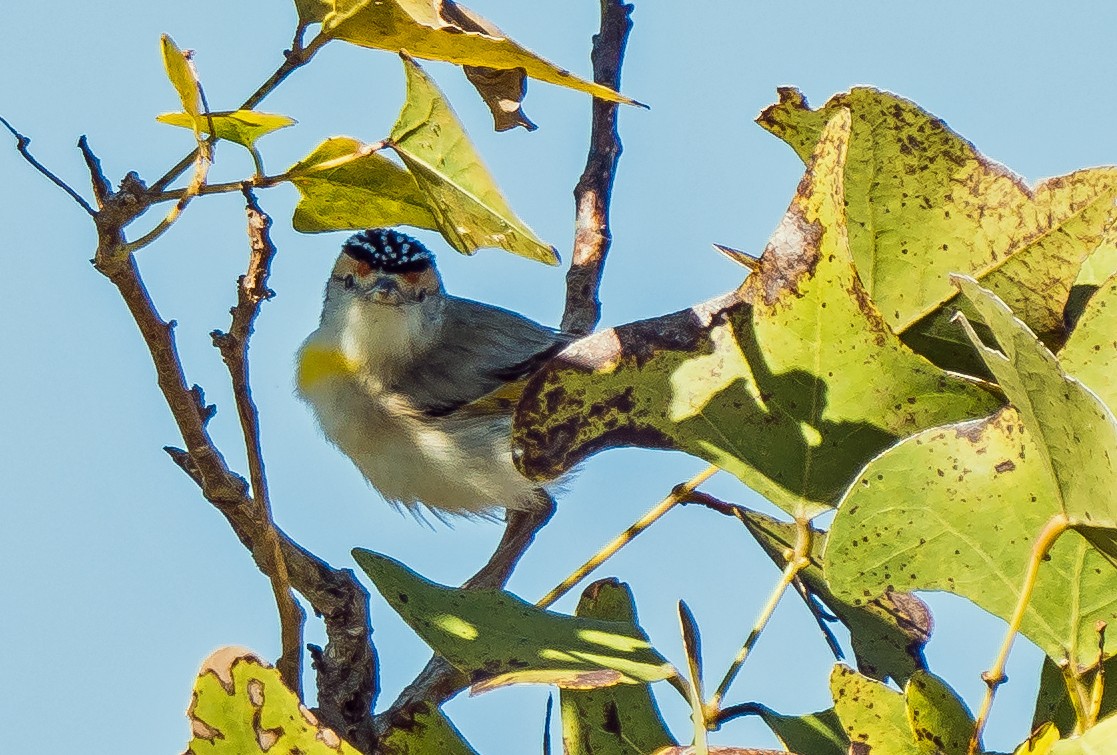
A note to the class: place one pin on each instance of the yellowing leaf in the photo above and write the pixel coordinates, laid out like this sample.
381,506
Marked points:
241,707
425,29
939,720
181,74
468,208
958,508
240,126
344,186
872,715
923,203
313,11
792,383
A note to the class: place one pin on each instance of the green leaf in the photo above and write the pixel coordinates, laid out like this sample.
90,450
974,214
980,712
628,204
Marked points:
1053,703
924,203
957,508
241,126
618,720
344,186
940,722
811,734
181,74
468,207
871,714
426,30
240,706
1074,431
771,382
888,633
497,639
427,732
1090,354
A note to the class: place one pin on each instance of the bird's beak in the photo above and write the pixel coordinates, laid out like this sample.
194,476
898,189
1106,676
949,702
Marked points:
384,290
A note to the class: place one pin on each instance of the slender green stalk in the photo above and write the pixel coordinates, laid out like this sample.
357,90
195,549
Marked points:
677,495
995,676
797,559
1098,687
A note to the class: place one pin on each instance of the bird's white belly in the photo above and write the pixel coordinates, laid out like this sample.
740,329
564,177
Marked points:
454,465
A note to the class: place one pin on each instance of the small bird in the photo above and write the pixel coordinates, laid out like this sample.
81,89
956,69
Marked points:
418,387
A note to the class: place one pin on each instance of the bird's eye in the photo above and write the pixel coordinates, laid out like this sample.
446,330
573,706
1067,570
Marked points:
349,281
421,295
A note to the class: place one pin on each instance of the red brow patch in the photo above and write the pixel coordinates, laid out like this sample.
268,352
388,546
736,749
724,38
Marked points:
363,268
412,277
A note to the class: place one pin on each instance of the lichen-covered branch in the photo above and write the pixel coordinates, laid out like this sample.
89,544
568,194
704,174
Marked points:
592,236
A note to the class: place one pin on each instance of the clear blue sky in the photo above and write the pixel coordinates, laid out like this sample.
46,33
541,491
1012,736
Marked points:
119,579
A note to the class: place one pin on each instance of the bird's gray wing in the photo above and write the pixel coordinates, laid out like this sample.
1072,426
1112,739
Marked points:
481,350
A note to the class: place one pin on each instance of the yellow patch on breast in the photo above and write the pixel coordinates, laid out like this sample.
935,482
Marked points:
317,363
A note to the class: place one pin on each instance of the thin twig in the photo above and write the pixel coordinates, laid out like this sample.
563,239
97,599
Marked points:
252,291
995,676
23,145
202,165
797,560
680,493
822,617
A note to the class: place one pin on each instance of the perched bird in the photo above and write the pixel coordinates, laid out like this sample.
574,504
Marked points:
416,386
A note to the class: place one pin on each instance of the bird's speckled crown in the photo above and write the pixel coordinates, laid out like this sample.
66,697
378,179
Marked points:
388,250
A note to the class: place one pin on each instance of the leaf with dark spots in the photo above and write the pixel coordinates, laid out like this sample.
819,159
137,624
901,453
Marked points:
619,720
768,382
496,638
923,203
240,706
904,526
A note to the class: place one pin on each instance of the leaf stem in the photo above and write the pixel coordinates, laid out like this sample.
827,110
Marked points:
995,676
1098,687
197,184
797,559
295,58
677,495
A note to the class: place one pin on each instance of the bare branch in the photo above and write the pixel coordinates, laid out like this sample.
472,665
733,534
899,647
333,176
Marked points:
23,145
346,667
592,237
252,291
